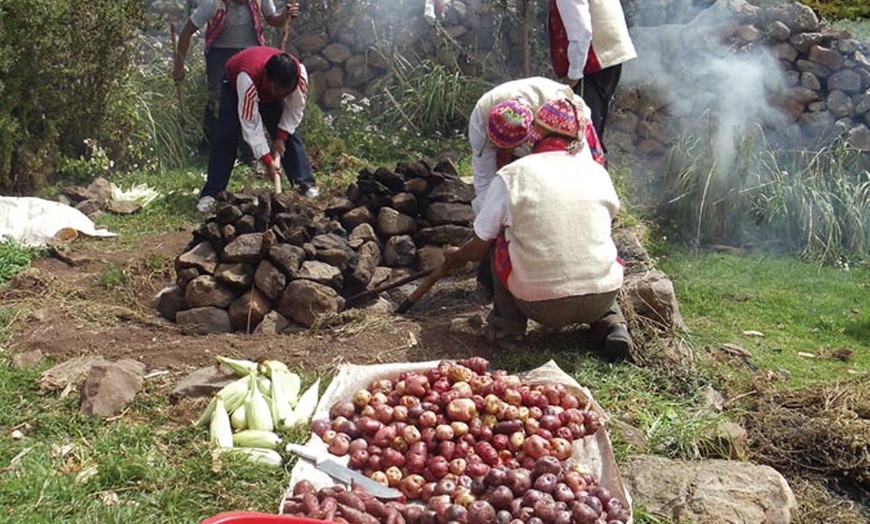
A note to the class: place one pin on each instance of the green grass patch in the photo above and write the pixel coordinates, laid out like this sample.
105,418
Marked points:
15,257
799,309
143,467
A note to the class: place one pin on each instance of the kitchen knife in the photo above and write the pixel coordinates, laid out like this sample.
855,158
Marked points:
344,474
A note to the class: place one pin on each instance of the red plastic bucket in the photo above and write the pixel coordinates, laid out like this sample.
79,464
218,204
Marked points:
248,517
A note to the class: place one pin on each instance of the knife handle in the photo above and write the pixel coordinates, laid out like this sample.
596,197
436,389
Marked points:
300,450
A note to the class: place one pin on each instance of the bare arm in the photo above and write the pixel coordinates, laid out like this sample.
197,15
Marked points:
181,51
279,18
473,250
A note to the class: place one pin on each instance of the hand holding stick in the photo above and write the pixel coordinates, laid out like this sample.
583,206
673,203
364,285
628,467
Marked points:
275,171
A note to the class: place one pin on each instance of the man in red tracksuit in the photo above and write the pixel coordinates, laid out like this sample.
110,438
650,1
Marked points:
589,42
264,89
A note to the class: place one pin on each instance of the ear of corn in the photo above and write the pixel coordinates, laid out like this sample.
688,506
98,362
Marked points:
239,418
239,366
307,403
264,384
257,411
206,415
290,381
282,414
220,431
269,457
269,366
251,438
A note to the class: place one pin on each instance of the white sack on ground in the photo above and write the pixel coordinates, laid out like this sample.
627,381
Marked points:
32,221
595,451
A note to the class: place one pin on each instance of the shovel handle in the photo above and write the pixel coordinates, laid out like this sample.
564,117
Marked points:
422,289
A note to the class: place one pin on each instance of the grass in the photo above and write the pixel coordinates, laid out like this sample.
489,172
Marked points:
144,467
781,310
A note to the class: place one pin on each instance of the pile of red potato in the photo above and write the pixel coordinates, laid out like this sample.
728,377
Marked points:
464,445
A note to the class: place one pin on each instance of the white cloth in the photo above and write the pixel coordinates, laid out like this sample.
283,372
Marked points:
577,19
32,221
558,223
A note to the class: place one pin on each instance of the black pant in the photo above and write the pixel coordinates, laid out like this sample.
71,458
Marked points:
228,136
597,89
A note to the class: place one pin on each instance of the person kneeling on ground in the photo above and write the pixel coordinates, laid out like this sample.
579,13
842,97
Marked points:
545,223
264,89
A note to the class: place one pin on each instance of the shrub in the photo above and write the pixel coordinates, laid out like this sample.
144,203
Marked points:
61,62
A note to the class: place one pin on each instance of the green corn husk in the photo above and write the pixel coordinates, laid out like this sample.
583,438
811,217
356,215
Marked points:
240,366
264,384
251,438
206,414
257,411
220,431
268,366
307,403
268,457
290,383
282,413
234,394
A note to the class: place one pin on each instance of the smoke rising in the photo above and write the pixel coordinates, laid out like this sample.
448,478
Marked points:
707,80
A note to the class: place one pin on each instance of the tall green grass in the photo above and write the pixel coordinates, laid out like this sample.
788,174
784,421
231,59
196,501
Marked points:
814,204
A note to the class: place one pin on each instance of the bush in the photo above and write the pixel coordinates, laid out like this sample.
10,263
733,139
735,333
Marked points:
61,63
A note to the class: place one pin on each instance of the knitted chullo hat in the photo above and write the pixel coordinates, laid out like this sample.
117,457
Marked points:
509,123
562,117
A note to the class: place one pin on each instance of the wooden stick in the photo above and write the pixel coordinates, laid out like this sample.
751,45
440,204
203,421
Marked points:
388,286
285,31
422,289
179,85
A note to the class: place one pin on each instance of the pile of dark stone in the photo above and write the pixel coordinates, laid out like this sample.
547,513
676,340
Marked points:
277,256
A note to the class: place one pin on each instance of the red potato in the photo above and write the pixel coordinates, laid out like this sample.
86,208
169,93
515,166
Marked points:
355,516
412,486
561,448
350,498
536,446
461,409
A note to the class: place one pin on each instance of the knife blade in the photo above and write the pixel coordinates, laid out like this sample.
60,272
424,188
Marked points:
344,474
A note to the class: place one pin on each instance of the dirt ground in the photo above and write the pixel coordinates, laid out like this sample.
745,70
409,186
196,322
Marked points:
80,309
94,297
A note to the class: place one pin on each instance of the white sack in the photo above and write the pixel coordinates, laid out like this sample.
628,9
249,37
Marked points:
594,451
32,221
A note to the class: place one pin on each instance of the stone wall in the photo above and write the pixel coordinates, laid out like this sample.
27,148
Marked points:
735,66
821,88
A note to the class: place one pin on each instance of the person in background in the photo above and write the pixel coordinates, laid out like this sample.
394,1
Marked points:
545,224
231,25
589,42
264,89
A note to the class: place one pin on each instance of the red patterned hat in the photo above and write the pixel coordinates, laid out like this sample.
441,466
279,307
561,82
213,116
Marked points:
510,123
562,117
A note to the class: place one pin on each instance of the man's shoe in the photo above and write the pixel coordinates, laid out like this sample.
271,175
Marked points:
312,192
206,204
617,343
